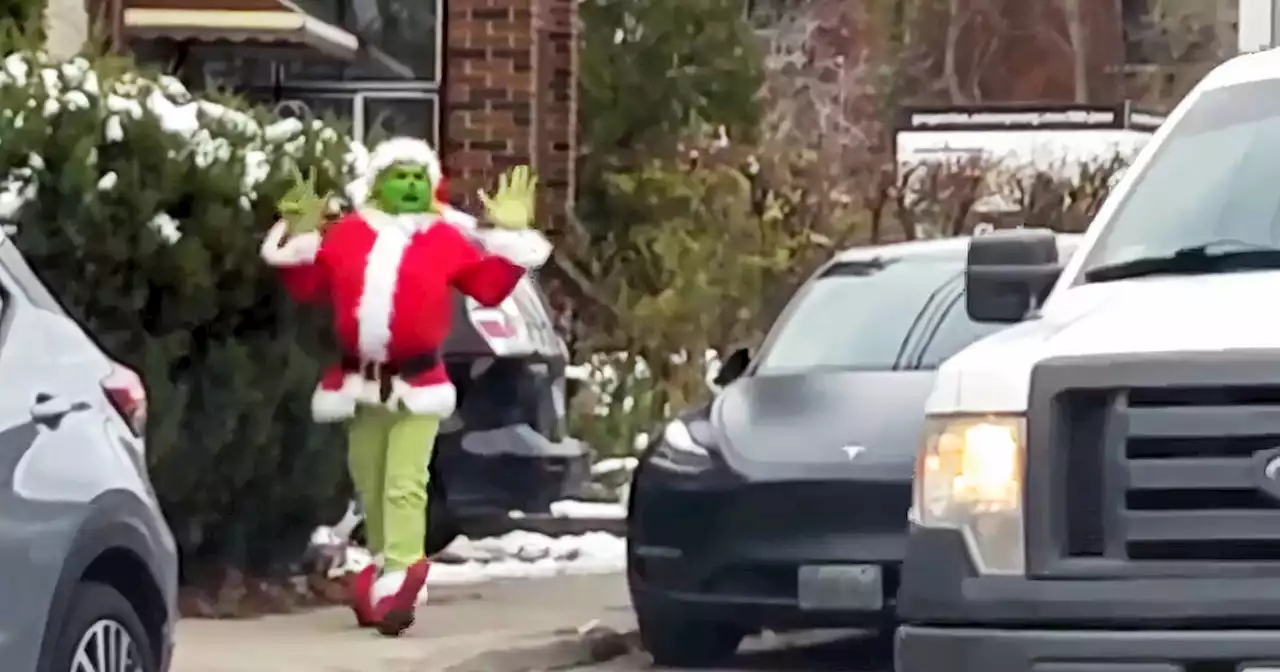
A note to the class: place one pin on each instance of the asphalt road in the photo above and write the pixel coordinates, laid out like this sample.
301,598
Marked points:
806,652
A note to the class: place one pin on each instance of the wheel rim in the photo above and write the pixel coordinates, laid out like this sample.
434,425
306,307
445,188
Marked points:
106,647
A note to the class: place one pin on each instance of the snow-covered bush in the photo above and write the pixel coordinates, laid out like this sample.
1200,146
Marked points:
143,207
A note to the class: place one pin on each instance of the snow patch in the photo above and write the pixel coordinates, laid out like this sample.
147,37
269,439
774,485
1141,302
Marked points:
166,227
571,508
211,133
528,555
515,555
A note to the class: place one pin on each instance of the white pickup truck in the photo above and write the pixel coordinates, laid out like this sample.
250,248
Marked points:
1099,485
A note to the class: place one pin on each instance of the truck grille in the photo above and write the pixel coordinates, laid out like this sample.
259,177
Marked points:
1195,459
1160,473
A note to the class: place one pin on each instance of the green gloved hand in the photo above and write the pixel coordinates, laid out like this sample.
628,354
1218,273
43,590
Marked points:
511,206
302,207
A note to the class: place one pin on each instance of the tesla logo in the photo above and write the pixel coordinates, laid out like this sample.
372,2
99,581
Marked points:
852,452
1272,470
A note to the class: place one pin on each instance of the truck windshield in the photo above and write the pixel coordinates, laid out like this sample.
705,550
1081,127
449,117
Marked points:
1211,188
856,316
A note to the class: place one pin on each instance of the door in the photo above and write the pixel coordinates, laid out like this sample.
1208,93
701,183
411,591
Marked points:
50,456
18,432
53,412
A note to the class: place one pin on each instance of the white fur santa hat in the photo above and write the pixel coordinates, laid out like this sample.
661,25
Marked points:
390,152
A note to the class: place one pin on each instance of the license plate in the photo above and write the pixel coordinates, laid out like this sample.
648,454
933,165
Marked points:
840,588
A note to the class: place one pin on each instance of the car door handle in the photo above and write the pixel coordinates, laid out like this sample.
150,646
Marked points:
50,410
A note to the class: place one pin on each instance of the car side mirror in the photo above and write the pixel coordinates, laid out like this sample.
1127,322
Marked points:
732,367
1009,273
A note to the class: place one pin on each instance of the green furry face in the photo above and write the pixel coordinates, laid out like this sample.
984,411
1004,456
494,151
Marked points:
403,189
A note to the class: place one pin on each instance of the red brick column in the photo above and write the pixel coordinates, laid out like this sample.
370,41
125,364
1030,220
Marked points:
510,83
556,105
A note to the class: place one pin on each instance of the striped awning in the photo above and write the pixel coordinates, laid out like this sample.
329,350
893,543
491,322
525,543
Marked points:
262,21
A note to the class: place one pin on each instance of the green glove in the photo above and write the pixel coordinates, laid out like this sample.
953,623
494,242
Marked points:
301,206
511,207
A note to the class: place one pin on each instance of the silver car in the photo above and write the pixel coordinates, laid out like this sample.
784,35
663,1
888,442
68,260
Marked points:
88,566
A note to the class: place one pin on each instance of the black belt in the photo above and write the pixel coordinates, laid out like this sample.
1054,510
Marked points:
382,373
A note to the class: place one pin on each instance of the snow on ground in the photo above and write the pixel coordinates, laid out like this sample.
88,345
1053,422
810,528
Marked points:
528,555
572,508
515,555
569,508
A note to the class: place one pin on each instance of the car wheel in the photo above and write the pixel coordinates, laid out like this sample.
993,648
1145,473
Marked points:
102,633
673,640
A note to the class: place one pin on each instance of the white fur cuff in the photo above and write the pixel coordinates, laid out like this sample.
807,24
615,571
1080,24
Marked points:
439,400
524,247
332,406
299,250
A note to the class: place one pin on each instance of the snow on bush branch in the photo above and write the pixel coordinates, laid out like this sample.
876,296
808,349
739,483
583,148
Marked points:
41,98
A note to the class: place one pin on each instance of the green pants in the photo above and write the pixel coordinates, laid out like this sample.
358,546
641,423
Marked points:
388,453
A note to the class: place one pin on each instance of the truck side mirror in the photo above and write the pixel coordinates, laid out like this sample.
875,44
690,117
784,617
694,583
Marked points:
1008,273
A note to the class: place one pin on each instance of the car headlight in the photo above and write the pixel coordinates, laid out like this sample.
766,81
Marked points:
969,477
680,451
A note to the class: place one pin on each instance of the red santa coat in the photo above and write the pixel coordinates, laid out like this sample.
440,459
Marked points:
388,280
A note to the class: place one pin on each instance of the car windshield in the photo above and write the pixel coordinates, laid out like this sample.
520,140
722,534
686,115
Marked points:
856,316
1210,187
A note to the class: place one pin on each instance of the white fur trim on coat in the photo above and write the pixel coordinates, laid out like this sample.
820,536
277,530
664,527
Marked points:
377,301
389,584
405,150
439,400
407,223
299,250
524,247
459,219
338,405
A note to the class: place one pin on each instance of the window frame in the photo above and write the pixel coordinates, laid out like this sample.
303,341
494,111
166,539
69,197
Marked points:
433,81
357,97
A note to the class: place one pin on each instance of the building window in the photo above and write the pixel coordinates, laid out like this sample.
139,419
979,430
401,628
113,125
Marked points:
1175,32
1138,28
373,113
405,40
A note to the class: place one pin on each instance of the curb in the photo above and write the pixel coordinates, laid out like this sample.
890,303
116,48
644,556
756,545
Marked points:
570,650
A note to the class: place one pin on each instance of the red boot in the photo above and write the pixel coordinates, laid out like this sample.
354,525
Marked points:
362,596
395,598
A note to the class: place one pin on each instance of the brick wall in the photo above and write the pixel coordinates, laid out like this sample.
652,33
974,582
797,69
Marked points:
510,78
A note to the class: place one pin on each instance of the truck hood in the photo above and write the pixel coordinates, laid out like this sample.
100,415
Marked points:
1198,313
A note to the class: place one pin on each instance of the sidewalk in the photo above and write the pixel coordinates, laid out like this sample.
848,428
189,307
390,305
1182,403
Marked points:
461,626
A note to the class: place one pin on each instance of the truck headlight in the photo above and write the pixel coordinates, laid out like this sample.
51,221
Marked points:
969,477
680,451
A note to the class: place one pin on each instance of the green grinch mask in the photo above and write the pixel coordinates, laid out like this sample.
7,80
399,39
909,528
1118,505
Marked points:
403,189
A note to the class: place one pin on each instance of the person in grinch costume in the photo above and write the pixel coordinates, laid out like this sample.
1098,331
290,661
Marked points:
388,270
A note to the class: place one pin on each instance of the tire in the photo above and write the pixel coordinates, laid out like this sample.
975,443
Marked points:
673,640
99,610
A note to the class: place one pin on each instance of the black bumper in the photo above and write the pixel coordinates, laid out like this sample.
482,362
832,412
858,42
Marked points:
724,549
941,649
